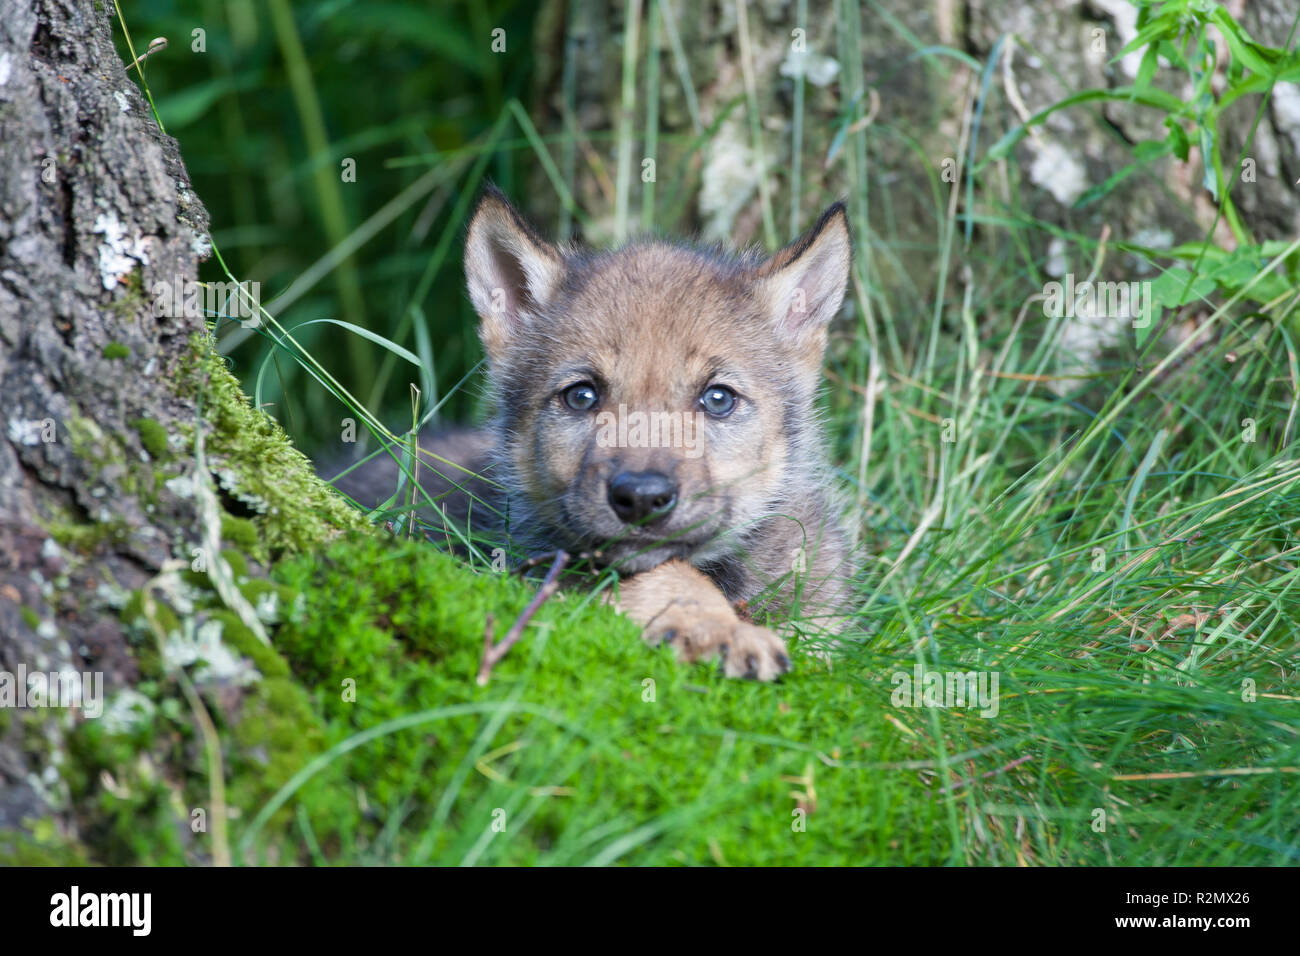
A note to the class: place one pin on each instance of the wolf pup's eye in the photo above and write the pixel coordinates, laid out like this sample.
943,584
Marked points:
581,397
718,400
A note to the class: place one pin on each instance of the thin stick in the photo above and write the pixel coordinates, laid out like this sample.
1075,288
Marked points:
984,776
492,653
529,563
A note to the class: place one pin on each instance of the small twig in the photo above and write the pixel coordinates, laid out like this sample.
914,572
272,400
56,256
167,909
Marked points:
984,776
529,563
492,653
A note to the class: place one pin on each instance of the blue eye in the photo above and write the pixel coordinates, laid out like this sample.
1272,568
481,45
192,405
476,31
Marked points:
718,400
581,397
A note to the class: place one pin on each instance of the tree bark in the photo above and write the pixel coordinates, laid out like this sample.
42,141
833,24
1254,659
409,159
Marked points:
100,394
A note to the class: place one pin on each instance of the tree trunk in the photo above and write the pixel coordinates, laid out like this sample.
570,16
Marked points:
98,491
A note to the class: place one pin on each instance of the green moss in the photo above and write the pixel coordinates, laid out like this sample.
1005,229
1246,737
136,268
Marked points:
240,532
273,729
130,809
235,634
157,768
238,563
276,734
30,617
256,464
588,743
154,438
133,613
88,538
116,350
39,848
238,566
91,444
390,629
133,610
563,744
144,641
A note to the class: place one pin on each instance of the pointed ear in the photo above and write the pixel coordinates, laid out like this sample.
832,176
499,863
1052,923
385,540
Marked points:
512,273
802,286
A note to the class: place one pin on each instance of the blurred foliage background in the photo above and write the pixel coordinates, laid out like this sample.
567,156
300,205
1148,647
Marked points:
267,116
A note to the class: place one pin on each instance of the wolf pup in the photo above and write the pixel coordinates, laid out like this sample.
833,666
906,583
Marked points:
654,406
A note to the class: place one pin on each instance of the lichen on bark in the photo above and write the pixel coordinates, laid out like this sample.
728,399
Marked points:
103,397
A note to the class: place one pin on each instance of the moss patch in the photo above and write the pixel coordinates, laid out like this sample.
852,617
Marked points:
154,438
240,532
256,465
139,779
583,737
87,538
41,848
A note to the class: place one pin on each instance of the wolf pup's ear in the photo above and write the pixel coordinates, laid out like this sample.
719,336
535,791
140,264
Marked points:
802,286
511,272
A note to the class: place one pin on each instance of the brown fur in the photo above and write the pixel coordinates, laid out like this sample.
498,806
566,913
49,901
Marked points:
652,325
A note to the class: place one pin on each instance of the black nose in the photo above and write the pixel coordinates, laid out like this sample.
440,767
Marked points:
638,495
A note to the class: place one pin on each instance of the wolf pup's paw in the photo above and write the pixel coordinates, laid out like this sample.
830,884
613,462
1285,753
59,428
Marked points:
743,650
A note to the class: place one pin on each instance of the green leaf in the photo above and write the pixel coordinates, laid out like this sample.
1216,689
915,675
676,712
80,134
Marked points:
1206,251
1236,270
1178,286
1150,60
1171,53
1177,139
365,334
1143,332
1239,44
1232,271
1273,247
1151,96
1165,25
1145,153
1211,178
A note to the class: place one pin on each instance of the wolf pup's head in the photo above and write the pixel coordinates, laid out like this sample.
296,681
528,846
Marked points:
654,401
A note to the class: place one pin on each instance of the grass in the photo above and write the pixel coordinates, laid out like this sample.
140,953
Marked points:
1118,545
594,748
